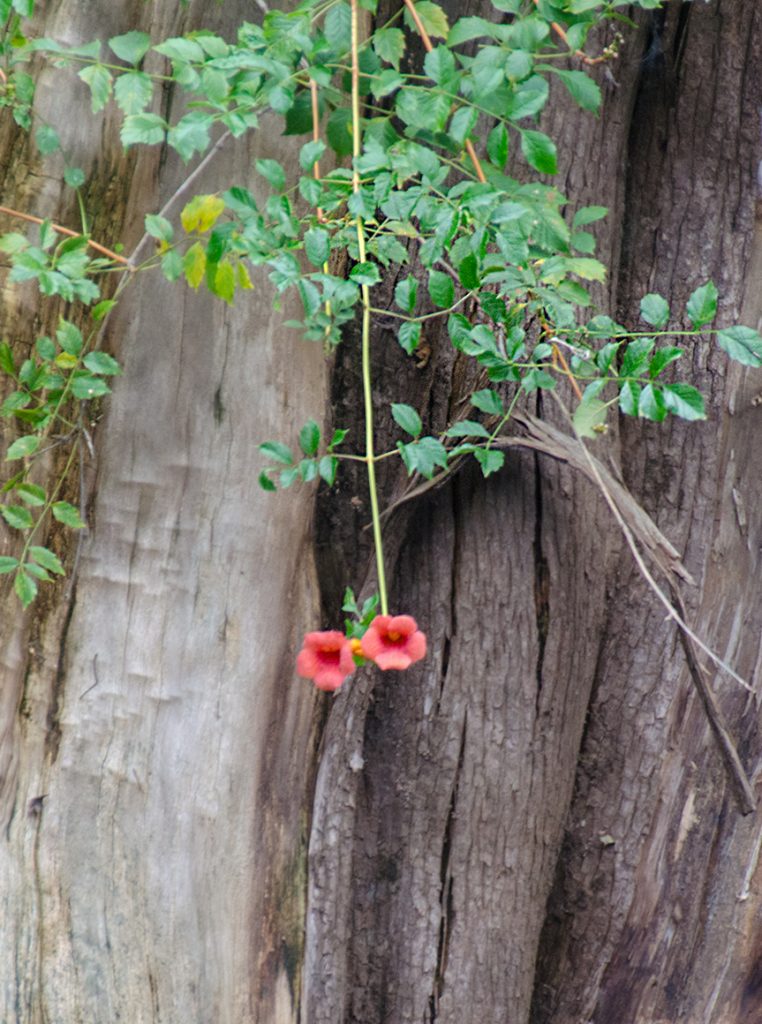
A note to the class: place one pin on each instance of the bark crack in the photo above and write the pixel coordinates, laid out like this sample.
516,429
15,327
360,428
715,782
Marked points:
447,910
541,583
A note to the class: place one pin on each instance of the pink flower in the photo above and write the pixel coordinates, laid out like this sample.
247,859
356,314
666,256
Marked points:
393,641
326,658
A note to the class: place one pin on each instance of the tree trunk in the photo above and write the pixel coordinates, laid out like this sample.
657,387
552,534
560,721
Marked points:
532,826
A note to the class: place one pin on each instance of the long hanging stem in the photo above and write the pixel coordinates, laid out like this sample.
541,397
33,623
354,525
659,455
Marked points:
370,458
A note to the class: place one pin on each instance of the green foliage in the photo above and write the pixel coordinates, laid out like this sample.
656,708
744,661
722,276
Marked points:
505,261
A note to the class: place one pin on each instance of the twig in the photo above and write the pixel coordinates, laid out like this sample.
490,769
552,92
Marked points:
67,231
429,46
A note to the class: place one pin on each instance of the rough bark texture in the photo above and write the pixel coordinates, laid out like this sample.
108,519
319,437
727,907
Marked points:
553,729
151,867
530,827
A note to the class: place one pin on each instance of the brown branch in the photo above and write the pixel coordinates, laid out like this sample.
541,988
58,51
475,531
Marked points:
561,33
67,231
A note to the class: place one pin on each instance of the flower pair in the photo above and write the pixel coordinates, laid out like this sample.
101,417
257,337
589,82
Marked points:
391,641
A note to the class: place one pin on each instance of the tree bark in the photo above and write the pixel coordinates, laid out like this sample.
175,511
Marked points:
532,826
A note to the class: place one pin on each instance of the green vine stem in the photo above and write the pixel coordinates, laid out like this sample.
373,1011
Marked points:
370,458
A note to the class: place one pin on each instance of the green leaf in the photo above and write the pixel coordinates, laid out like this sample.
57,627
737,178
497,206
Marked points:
23,447
462,123
101,362
317,246
589,415
202,212
133,92
406,293
539,151
180,50
191,134
47,139
159,227
365,273
84,386
389,44
468,272
488,401
433,19
98,78
327,468
17,516
338,131
702,305
8,564
490,460
46,558
277,452
589,215
130,47
467,428
172,265
629,397
441,289
439,65
265,482
423,456
661,359
651,404
146,128
310,153
582,88
636,357
194,264
587,269
31,494
742,344
7,365
69,338
224,282
67,514
407,418
684,401
497,145
409,336
654,310
74,177
25,587
309,437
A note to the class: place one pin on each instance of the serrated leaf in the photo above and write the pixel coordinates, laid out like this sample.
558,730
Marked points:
389,44
433,19
589,215
17,516
149,129
67,514
74,177
25,587
582,88
338,131
467,428
409,336
490,460
69,338
441,289
742,344
31,494
133,92
497,145
277,452
327,468
272,172
47,139
130,47
651,404
85,387
310,153
47,559
191,134
654,309
309,437
423,456
8,564
224,282
7,364
317,246
684,401
702,305
539,151
194,265
406,293
159,227
102,362
662,358
99,79
180,50
201,213
488,401
23,447
365,273
587,269
407,418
